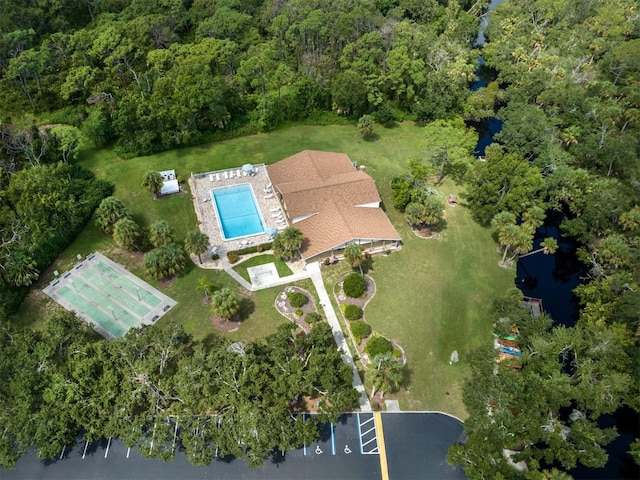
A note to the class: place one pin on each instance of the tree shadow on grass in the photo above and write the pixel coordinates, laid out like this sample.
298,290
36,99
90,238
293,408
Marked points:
247,307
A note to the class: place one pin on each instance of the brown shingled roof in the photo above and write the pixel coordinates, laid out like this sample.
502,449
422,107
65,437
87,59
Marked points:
326,188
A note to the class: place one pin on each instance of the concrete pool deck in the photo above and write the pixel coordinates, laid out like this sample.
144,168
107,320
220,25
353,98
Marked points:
201,186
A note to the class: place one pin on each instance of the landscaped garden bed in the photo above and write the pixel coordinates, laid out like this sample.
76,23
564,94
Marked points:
353,292
299,306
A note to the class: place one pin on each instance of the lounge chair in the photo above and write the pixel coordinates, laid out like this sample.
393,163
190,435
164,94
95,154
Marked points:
238,174
225,175
231,174
275,209
244,173
276,214
217,177
266,197
211,177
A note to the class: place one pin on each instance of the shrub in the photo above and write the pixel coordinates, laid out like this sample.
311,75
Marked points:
297,299
354,285
351,312
378,346
359,330
299,312
313,317
233,257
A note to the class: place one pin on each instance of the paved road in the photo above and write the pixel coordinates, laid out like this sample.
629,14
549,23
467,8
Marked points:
416,446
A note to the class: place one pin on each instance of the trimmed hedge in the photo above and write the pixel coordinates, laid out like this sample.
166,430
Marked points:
254,249
359,330
351,312
378,346
354,285
297,299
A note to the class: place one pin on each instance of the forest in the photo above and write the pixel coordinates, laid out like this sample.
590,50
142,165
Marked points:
146,76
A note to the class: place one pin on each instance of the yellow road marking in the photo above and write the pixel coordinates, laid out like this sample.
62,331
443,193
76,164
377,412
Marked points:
384,470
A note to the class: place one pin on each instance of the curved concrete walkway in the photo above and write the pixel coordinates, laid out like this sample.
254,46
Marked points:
312,271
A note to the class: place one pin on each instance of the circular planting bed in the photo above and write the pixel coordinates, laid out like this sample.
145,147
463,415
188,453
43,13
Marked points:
291,311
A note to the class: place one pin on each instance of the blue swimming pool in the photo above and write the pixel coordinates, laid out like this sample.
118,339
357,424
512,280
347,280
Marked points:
237,211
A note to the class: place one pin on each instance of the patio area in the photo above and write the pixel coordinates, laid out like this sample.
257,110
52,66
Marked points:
267,202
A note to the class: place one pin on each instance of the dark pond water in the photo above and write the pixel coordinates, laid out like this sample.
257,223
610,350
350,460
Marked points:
553,278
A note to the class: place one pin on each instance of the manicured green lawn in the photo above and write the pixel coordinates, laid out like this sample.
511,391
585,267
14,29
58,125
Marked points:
432,296
281,267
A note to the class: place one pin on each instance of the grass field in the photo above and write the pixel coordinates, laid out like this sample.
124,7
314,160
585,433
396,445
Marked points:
281,267
432,296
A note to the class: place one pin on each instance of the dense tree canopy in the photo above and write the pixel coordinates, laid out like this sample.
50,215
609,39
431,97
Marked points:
64,382
155,75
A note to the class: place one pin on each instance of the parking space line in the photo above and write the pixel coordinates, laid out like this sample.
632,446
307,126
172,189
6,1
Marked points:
333,441
85,449
362,434
368,441
106,452
128,451
359,434
304,444
62,452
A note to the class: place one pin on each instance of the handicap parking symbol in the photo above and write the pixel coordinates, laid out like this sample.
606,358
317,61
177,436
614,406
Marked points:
347,450
318,450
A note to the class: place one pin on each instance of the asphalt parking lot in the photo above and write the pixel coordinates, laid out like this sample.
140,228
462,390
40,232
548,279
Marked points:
408,445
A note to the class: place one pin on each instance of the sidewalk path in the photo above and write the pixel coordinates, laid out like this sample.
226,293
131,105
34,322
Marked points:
313,271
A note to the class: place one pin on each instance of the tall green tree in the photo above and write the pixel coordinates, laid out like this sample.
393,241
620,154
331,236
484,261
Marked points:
126,233
205,286
224,303
153,182
196,243
354,255
287,243
449,145
160,233
109,212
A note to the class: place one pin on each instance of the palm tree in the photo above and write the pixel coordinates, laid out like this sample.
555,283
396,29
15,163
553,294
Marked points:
20,270
109,212
126,233
548,246
153,182
287,243
204,286
354,256
174,259
507,236
152,263
388,374
160,234
224,303
196,243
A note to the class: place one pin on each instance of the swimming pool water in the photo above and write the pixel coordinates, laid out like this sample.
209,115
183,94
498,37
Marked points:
238,214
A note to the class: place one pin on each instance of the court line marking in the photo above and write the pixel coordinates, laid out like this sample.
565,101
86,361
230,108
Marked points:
384,468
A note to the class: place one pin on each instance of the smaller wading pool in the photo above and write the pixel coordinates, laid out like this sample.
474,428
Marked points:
237,211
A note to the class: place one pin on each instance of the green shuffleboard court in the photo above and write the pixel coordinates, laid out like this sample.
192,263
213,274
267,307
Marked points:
108,296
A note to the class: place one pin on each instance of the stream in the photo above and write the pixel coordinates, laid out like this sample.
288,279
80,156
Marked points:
553,278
